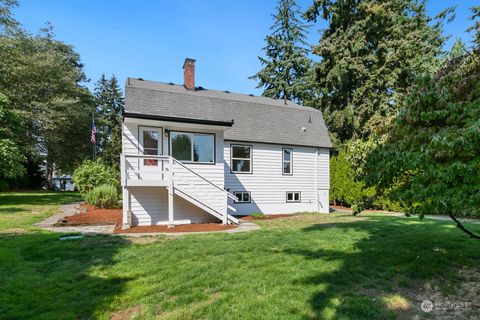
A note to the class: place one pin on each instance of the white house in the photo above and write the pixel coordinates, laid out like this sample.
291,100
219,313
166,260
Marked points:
194,155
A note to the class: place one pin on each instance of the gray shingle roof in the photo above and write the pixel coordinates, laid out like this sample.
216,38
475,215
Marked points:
256,119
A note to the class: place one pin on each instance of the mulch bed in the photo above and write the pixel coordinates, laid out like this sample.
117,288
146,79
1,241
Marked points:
90,215
266,217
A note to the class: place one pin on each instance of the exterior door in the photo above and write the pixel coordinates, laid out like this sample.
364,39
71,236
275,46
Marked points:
150,145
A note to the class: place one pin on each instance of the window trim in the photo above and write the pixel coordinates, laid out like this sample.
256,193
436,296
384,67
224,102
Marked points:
249,197
141,148
231,158
193,133
291,162
293,201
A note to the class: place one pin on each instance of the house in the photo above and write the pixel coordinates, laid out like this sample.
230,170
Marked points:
194,155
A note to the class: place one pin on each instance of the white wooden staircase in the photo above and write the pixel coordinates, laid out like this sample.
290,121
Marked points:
168,172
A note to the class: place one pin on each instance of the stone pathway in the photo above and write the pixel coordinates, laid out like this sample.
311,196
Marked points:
71,209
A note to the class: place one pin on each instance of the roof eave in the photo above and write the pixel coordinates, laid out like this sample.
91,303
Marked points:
178,119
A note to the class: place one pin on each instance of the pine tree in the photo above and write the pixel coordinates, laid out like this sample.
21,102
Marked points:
109,101
458,49
371,52
286,64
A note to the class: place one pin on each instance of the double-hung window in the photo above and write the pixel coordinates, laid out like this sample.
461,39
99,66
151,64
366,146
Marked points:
287,161
241,158
192,147
293,196
242,196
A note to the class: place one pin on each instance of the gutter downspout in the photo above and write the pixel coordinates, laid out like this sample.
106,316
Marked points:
316,181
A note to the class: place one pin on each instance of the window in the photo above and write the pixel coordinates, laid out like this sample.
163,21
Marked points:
293,196
241,159
287,161
150,140
193,147
242,196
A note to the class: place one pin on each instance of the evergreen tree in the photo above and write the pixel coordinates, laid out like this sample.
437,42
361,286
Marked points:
371,52
109,107
286,64
458,49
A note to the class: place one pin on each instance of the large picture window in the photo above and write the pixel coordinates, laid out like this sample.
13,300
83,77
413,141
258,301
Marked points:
241,158
287,161
193,147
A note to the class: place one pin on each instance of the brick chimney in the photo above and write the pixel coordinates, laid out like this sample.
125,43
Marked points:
189,74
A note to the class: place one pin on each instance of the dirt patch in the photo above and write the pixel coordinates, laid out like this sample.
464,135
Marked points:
194,227
90,215
142,240
459,304
14,231
342,208
267,217
127,313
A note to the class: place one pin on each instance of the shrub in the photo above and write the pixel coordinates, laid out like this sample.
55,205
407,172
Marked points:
91,174
104,196
358,208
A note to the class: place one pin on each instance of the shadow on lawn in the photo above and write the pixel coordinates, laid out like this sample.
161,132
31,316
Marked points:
394,257
44,277
38,198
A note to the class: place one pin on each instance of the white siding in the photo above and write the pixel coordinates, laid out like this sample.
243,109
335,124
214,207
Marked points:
268,186
149,205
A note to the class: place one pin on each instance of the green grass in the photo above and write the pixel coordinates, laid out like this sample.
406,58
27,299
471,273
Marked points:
19,210
307,267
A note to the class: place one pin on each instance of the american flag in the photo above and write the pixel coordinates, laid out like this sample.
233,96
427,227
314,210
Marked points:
93,134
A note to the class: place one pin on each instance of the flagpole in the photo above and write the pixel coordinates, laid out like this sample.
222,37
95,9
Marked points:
95,138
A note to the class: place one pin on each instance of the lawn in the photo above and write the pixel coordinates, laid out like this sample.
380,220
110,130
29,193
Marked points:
309,266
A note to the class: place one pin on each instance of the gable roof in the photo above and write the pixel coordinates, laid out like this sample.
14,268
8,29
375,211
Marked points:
255,119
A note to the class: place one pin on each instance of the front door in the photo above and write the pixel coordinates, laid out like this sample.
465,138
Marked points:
150,145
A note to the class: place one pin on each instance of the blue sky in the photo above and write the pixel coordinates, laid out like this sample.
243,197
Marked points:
150,39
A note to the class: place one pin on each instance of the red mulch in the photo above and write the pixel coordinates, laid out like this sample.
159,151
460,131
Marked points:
267,217
97,216
194,227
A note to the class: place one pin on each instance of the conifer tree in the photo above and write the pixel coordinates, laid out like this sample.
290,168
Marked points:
286,63
109,101
371,52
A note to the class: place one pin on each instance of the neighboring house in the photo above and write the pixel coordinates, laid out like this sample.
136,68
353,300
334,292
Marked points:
194,155
63,183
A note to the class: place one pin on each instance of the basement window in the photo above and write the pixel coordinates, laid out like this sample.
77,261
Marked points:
293,196
242,196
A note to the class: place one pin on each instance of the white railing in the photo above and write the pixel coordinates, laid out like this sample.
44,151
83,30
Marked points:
168,171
